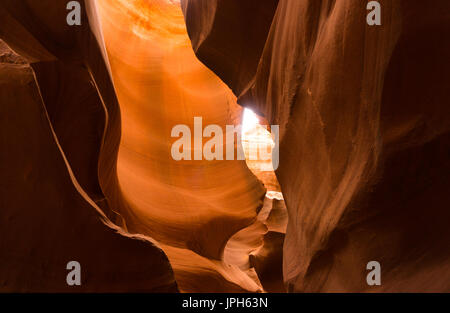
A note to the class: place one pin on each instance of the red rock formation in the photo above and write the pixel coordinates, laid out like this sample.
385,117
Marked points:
140,52
48,219
86,114
364,123
60,134
229,36
191,207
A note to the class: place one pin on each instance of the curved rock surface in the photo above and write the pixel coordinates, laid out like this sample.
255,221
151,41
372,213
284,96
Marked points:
111,90
191,207
86,172
364,119
60,135
47,218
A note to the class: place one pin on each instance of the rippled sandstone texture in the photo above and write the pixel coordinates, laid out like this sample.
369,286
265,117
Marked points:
60,130
364,118
86,173
88,112
192,208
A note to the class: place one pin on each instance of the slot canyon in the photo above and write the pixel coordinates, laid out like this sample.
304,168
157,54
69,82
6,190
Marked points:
86,119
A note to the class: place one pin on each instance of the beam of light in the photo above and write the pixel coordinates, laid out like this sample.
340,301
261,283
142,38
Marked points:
249,121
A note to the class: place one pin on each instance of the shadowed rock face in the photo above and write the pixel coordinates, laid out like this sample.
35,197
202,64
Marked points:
364,120
60,129
213,27
48,219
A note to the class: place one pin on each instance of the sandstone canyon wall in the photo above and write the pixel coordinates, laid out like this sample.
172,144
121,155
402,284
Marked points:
191,207
364,120
104,97
60,127
86,171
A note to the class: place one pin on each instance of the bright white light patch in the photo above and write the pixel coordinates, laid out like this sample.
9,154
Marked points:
274,195
249,120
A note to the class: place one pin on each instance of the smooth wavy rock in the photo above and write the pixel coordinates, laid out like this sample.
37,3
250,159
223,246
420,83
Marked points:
364,119
191,207
60,136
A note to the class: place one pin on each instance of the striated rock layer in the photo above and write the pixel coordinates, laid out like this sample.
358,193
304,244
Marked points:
191,207
88,112
60,127
364,118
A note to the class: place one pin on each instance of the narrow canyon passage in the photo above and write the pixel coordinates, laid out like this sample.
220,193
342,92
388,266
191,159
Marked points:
192,208
87,111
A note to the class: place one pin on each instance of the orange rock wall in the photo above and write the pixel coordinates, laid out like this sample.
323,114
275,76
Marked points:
364,123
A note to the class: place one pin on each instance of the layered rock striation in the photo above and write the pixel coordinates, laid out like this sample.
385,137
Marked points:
364,118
